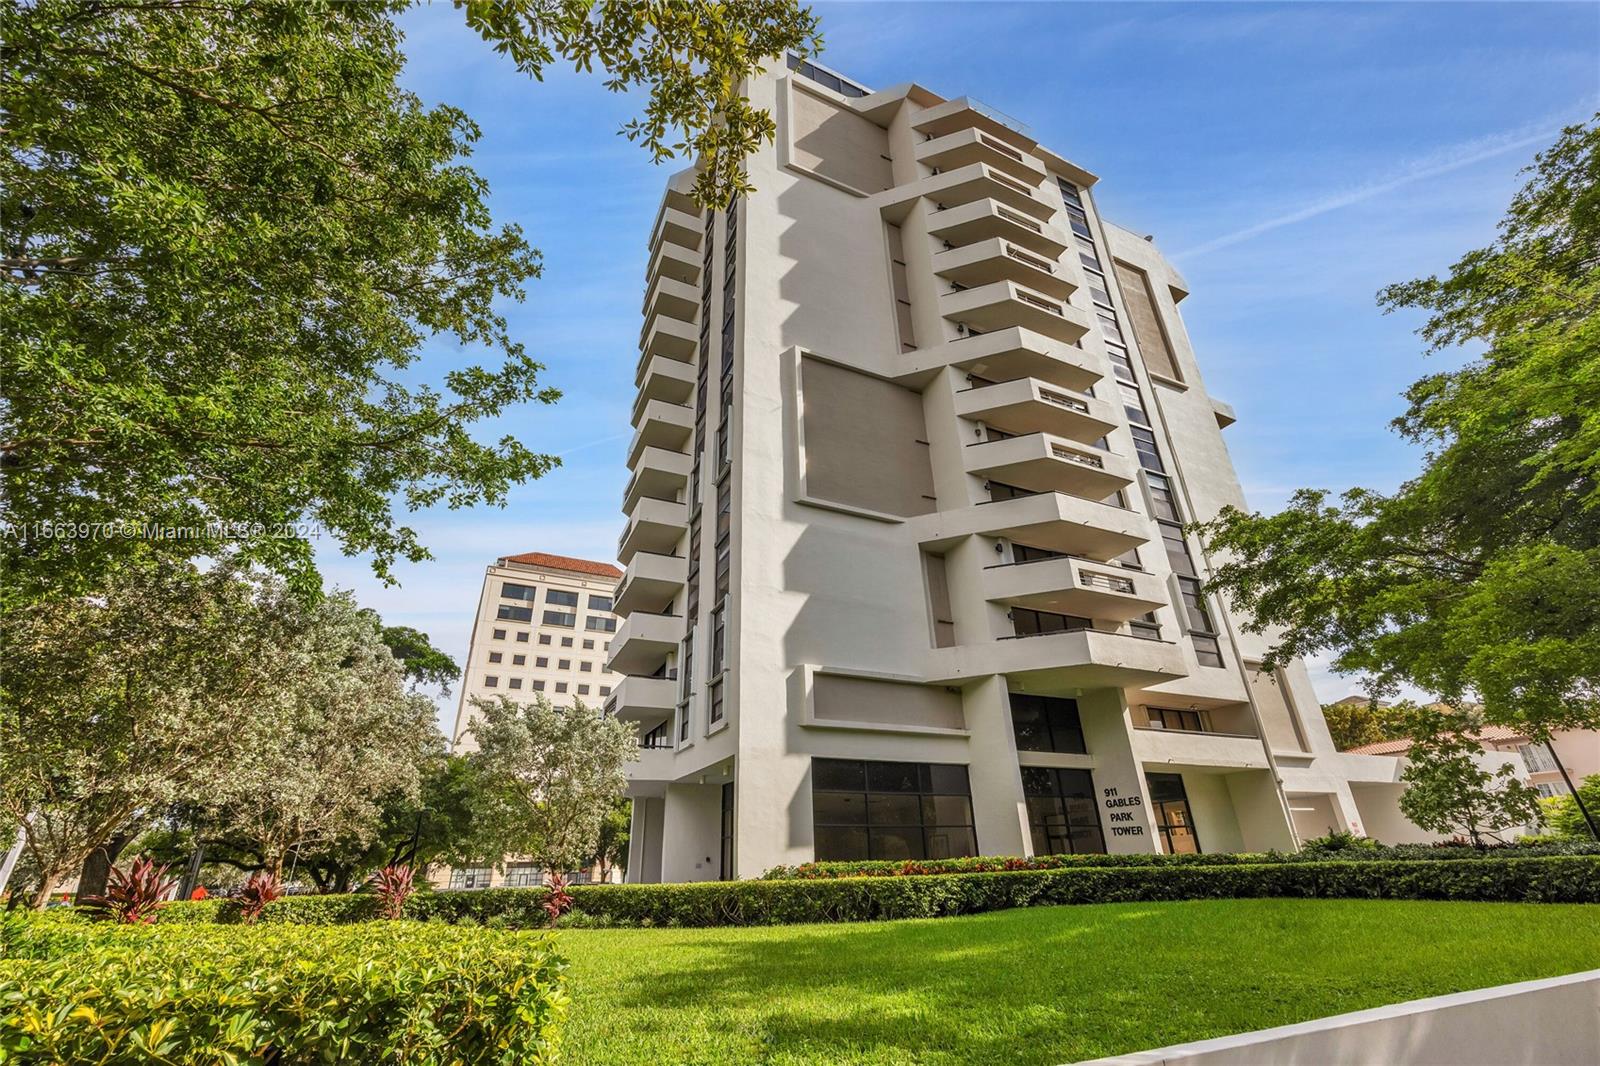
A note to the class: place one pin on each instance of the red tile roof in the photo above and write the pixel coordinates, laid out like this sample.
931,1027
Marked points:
564,562
1489,734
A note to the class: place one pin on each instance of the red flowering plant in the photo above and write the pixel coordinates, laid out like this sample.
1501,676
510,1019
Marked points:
559,901
394,885
132,897
256,893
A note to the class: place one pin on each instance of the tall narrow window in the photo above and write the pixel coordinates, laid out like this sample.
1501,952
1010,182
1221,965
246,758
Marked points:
900,288
1173,822
726,866
1062,813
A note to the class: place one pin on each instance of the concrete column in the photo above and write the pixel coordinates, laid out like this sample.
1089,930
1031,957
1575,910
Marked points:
1126,816
999,812
691,836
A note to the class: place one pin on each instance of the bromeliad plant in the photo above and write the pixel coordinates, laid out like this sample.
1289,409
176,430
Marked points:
394,886
260,890
132,898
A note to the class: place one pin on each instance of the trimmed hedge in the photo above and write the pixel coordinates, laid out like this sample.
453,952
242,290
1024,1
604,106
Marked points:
75,991
1548,879
1358,852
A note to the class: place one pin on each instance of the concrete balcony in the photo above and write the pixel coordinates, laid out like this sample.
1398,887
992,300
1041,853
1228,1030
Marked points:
678,227
667,380
965,113
1163,749
1003,304
1006,355
983,219
967,146
1026,405
669,260
643,699
643,641
1079,659
670,336
1050,520
661,425
650,766
977,181
654,526
997,259
657,473
650,583
1073,586
1042,462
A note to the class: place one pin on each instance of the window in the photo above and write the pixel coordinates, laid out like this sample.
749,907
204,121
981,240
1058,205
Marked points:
1194,605
585,667
605,690
1121,365
560,618
1027,553
1537,758
523,875
1061,811
519,660
1177,548
494,656
522,637
515,682
1171,805
509,591
1030,623
1146,628
1047,723
561,686
600,603
538,686
726,868
1133,404
566,642
543,660
716,703
514,614
596,624
583,690
683,723
588,645
1548,789
470,877
1000,491
1069,193
1162,501
1144,442
564,664
891,810
1185,721
1206,649
499,634
724,568
490,681
560,598
719,639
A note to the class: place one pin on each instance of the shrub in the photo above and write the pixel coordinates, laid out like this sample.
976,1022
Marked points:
393,888
390,992
1549,879
1337,844
558,900
132,898
260,890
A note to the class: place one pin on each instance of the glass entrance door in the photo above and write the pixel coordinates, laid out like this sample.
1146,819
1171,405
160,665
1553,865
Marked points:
1172,814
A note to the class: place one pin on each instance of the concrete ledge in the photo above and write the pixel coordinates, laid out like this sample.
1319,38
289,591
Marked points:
1551,1022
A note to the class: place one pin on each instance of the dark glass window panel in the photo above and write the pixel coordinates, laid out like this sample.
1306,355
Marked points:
1026,553
1144,442
1038,781
1001,491
599,603
560,618
889,808
1207,650
1046,810
1077,784
1162,500
514,614
947,779
839,843
509,591
1086,840
1031,728
838,775
892,777
951,842
1165,787
840,808
1177,548
946,810
560,598
895,844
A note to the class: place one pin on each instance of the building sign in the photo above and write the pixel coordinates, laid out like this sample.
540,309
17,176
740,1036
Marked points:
1122,813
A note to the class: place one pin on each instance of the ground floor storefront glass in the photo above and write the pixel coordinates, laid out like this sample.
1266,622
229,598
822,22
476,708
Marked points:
891,810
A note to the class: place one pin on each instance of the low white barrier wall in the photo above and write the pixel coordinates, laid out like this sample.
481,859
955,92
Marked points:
1553,1022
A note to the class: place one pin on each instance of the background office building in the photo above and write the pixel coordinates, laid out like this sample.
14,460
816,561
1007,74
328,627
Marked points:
917,437
544,628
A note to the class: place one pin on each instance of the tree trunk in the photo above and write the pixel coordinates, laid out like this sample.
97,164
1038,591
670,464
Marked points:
96,870
41,895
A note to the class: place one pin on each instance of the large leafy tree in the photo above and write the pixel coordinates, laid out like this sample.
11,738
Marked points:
547,778
1479,579
1353,723
1449,790
228,233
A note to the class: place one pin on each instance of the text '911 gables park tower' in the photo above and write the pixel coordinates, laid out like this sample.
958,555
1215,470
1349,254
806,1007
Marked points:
906,575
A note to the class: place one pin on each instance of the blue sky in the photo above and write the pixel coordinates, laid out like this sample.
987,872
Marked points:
1291,158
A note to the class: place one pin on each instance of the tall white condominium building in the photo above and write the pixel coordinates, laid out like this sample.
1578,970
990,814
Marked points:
917,436
544,627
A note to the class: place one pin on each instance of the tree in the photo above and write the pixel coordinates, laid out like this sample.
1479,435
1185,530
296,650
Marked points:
1479,579
423,663
229,233
1357,722
1448,791
1561,815
346,736
115,706
611,848
547,778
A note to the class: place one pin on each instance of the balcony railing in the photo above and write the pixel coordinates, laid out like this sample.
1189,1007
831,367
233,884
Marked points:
1091,461
1039,302
1020,219
1061,399
1090,579
1028,258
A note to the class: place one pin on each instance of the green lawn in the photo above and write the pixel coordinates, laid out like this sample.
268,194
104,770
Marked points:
1045,985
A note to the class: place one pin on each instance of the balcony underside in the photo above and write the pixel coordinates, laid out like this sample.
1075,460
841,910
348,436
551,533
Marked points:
1006,355
654,526
1052,520
1030,406
1004,305
1040,462
981,220
996,259
1062,663
1068,586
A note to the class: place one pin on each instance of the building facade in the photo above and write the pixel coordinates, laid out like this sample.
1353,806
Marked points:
918,434
544,627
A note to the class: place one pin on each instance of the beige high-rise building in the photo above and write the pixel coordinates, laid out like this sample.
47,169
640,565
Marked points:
544,628
918,436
